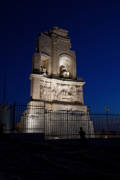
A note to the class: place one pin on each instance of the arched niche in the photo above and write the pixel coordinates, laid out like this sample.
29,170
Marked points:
65,66
44,63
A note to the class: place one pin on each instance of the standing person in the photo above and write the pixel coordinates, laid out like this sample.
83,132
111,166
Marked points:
83,136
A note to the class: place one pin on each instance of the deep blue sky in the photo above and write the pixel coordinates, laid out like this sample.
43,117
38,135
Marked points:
95,35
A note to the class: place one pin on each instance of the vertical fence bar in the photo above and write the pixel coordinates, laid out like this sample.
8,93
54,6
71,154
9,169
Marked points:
67,123
14,117
44,120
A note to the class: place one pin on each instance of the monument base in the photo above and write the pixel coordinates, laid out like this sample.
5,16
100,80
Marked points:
56,120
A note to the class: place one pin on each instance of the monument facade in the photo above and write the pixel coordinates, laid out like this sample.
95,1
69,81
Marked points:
54,83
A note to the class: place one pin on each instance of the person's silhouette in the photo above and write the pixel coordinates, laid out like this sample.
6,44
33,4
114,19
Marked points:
82,133
83,136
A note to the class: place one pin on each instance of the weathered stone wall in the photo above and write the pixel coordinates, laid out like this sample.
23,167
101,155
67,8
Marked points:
44,43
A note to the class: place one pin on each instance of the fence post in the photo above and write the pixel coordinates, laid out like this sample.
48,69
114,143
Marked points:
107,110
44,120
88,133
67,123
88,118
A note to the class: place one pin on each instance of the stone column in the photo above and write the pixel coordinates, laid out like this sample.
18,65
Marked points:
35,83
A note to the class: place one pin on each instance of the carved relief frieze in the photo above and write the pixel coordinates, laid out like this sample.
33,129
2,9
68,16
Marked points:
49,91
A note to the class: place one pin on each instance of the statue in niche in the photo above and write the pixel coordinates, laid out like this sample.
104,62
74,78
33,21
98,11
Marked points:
44,71
43,67
65,65
63,72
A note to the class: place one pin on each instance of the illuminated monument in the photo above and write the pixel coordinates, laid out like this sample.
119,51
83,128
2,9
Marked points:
54,84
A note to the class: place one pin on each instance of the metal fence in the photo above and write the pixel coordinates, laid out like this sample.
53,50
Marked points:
106,125
60,124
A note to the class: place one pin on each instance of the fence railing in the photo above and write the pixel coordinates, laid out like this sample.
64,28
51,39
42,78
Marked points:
59,124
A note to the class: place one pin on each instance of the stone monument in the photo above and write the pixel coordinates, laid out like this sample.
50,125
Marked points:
54,86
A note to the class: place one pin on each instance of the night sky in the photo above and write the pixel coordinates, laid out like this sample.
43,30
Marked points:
95,35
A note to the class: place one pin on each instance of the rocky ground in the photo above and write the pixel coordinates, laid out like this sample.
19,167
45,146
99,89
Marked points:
34,159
